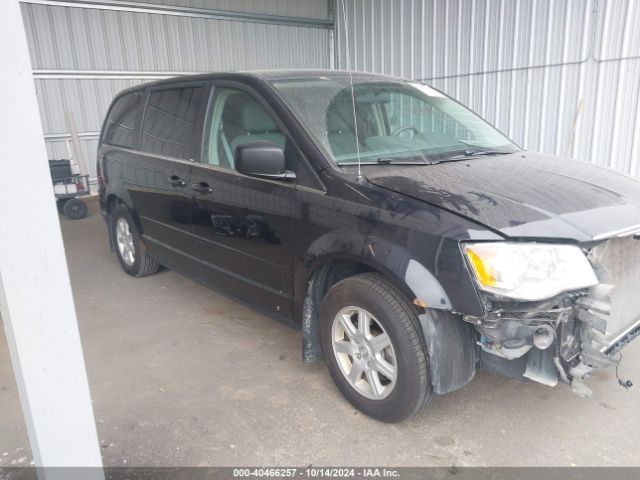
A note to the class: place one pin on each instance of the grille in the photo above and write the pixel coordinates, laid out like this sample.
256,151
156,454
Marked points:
619,262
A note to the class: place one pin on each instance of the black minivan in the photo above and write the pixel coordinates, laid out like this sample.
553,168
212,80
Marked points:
409,240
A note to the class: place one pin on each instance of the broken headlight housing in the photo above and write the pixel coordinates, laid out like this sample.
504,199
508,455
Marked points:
529,271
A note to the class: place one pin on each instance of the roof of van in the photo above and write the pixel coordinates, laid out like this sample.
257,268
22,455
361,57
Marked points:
259,75
266,75
301,74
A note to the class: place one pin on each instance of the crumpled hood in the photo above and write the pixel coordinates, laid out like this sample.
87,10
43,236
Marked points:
524,194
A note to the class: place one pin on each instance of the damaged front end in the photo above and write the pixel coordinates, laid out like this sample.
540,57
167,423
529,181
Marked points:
572,334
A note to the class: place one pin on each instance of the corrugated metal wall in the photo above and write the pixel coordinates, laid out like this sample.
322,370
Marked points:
288,8
558,76
83,56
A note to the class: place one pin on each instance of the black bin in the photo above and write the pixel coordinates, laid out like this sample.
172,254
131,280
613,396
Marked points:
60,170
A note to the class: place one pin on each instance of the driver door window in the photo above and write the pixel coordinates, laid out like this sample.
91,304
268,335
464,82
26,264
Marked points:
237,118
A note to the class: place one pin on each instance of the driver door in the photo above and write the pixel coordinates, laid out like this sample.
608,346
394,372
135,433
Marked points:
242,224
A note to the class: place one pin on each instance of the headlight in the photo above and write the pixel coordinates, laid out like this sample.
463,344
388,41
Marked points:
529,271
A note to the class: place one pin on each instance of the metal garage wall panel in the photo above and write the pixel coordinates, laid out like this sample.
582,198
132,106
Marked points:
620,36
557,76
88,99
63,38
443,38
66,38
292,8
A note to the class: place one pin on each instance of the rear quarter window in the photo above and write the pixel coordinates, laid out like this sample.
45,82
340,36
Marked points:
169,125
123,121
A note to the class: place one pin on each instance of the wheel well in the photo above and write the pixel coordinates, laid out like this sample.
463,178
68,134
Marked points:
112,203
321,280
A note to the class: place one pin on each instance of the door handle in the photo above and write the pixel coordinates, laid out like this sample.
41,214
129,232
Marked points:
176,181
202,187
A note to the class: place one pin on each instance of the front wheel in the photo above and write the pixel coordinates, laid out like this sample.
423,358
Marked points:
374,347
130,250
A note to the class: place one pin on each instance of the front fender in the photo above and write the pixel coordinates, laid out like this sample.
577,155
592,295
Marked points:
394,261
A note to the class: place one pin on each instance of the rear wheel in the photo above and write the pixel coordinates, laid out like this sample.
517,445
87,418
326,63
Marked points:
374,347
75,209
130,250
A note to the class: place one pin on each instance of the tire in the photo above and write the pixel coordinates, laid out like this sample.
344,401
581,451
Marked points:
393,314
130,250
60,204
74,208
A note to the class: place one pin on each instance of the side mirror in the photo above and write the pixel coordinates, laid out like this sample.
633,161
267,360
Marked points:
261,159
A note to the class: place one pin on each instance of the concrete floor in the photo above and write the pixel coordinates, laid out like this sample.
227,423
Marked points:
181,375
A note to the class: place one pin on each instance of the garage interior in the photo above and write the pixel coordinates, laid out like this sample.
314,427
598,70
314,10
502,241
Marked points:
184,376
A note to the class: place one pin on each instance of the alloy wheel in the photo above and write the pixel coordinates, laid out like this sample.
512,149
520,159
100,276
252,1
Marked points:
124,239
364,352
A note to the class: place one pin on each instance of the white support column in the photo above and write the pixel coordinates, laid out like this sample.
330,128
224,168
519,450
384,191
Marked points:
35,293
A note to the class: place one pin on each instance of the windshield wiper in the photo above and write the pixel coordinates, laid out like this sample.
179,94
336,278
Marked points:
404,161
391,161
475,153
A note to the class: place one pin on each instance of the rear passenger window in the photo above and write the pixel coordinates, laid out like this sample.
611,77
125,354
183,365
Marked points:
124,121
169,122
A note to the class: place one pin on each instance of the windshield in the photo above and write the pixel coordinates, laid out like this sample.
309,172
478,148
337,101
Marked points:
394,122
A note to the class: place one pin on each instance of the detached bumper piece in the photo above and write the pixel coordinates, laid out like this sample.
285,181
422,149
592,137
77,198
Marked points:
583,344
521,340
568,337
452,352
563,339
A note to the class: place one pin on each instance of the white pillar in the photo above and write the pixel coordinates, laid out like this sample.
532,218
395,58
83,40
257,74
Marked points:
35,293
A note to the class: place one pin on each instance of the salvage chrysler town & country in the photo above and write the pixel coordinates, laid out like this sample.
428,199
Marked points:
409,240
